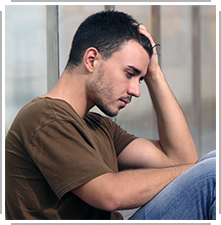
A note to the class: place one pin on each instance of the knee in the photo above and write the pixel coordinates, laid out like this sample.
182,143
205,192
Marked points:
207,167
211,154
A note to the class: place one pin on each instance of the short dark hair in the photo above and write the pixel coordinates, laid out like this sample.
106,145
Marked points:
106,31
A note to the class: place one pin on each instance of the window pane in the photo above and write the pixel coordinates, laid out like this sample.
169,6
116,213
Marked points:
25,56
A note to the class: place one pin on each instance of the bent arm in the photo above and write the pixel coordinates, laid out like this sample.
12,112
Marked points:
175,145
174,134
127,189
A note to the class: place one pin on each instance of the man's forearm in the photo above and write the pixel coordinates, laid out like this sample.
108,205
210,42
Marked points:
128,189
137,187
175,137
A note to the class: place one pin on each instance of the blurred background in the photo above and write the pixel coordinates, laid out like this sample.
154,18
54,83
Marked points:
187,38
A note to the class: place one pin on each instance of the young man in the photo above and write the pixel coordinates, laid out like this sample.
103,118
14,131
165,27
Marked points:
62,161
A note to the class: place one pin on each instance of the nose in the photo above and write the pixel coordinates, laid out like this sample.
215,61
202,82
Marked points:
134,89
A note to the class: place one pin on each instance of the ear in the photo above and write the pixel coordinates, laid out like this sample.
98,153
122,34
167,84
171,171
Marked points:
90,57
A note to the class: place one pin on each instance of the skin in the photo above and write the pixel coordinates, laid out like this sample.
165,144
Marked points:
110,84
116,83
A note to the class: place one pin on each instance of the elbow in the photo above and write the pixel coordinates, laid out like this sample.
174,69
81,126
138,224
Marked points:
111,195
112,203
193,156
195,159
190,153
186,156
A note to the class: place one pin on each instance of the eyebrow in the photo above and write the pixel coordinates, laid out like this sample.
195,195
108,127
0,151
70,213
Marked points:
137,71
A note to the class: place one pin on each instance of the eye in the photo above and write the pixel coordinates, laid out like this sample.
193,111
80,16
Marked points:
130,75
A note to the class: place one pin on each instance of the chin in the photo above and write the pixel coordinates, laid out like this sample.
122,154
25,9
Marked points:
109,112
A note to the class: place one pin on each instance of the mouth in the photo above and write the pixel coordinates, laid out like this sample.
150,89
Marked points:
124,101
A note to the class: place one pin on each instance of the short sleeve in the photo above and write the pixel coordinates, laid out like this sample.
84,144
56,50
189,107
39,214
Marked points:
120,137
65,157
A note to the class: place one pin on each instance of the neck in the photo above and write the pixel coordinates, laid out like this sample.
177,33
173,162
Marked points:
72,89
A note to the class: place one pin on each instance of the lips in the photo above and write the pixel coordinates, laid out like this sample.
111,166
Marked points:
125,101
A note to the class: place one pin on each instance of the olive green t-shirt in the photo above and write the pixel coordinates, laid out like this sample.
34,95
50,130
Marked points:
50,150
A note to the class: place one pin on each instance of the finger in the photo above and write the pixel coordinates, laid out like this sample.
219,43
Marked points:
135,24
144,32
142,28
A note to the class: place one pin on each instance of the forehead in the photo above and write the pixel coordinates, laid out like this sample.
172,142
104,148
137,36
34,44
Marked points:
132,53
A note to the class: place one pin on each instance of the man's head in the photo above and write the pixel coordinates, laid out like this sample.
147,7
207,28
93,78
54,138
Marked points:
107,32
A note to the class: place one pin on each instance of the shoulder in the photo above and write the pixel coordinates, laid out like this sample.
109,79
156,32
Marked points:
50,109
30,111
37,110
38,113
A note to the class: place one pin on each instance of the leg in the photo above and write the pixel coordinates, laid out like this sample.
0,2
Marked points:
209,155
192,196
